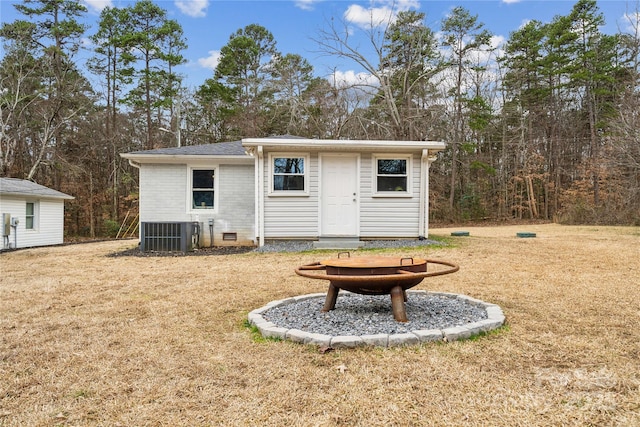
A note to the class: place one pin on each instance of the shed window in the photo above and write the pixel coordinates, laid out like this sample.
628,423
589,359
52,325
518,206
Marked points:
392,174
203,188
30,217
289,174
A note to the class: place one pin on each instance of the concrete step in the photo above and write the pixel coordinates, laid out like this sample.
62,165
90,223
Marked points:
338,243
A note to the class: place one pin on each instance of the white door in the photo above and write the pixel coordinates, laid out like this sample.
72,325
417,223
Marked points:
339,195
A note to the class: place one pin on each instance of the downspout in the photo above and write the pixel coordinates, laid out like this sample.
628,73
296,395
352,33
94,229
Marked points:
430,159
423,218
260,195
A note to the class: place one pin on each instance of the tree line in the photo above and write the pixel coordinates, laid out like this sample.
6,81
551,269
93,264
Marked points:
546,126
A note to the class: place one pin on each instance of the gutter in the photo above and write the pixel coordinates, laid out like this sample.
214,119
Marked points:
428,157
182,159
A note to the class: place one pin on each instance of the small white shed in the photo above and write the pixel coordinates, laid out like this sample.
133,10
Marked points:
32,214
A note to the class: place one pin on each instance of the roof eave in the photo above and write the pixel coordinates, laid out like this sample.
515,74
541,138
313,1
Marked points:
62,196
184,158
347,143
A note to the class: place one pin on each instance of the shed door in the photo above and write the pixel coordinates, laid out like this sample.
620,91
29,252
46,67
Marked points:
339,195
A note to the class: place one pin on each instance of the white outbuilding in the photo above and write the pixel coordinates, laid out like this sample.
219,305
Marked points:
32,214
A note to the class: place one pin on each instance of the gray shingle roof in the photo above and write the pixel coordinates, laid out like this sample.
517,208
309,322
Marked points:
233,148
22,187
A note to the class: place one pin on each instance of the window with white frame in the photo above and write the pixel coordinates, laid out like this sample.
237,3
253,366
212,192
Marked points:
392,174
203,188
289,174
30,217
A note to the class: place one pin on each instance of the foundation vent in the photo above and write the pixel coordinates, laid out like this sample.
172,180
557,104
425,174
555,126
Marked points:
230,236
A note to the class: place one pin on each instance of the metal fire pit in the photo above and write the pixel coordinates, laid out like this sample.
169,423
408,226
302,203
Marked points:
373,275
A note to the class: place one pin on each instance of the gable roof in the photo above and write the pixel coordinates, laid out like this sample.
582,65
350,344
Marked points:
22,187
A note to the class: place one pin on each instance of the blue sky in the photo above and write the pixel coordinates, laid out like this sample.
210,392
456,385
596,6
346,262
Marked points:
294,23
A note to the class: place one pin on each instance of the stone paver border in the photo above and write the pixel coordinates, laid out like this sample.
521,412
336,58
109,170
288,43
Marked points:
495,319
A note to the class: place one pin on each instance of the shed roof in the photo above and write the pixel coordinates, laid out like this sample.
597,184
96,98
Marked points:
22,187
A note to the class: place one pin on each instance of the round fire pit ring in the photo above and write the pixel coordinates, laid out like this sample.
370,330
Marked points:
374,275
273,320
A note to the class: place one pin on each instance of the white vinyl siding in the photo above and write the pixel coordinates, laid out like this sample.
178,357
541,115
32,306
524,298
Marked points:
380,216
294,217
48,221
388,217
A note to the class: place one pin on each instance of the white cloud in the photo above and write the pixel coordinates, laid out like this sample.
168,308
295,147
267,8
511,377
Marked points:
98,5
349,78
368,18
631,22
305,4
511,1
193,8
210,61
498,42
381,12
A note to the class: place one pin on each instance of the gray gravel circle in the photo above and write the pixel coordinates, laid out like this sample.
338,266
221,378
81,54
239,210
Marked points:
357,314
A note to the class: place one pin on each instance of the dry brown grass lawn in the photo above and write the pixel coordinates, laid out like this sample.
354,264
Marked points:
87,339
